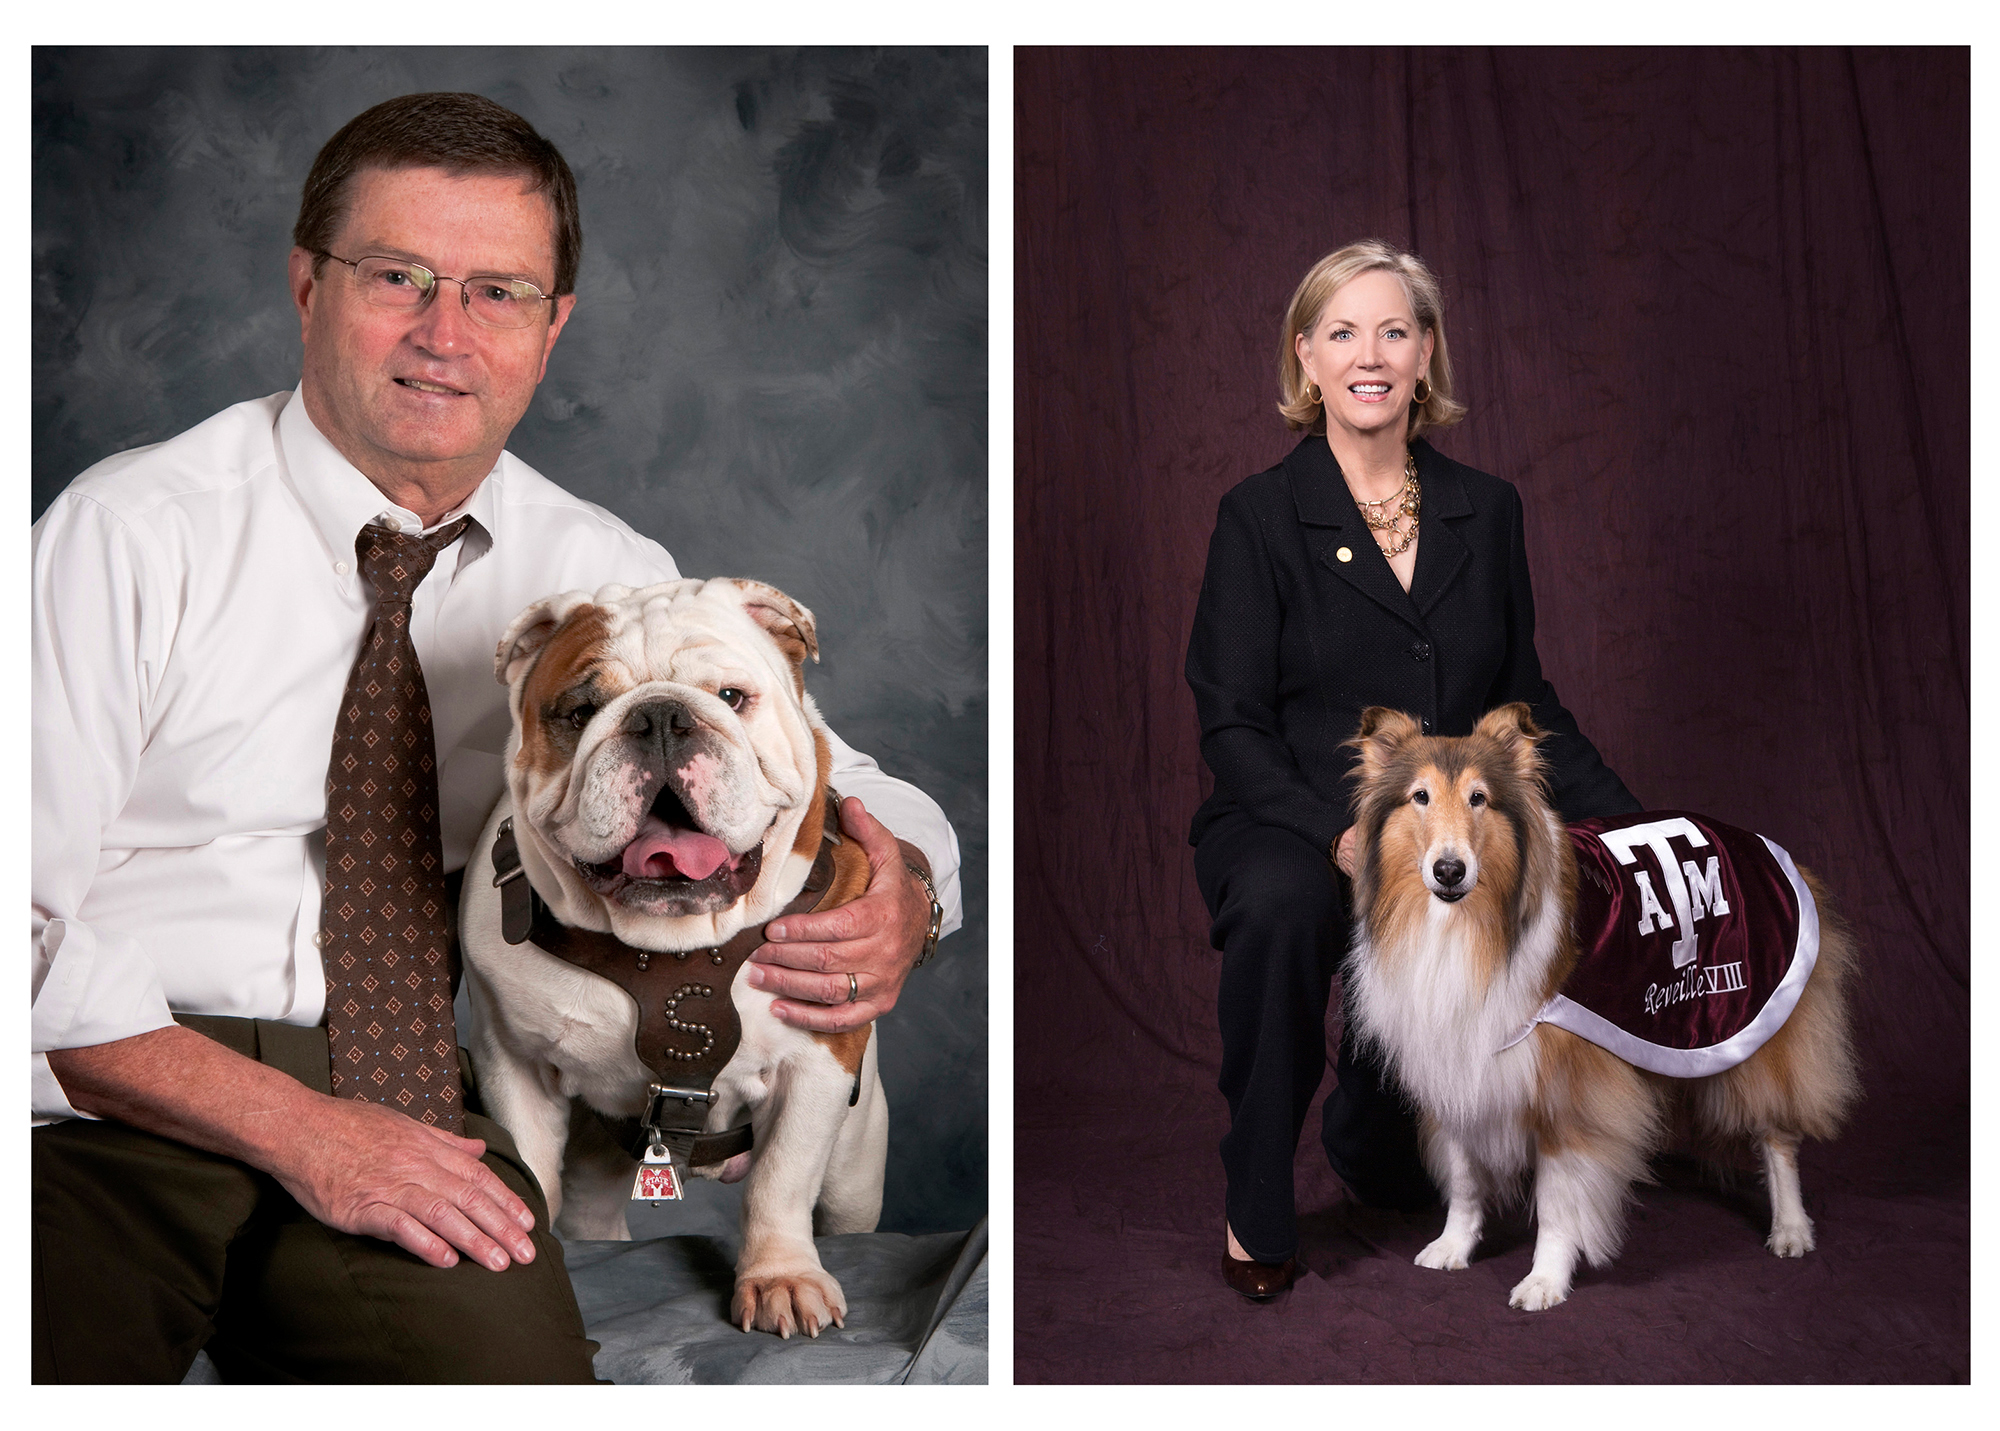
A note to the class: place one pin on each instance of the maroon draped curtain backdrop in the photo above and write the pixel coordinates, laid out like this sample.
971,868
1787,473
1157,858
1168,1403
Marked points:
1708,309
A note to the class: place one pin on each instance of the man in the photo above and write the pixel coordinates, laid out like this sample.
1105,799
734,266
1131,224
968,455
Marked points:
199,607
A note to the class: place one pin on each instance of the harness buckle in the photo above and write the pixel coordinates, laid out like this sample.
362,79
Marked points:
654,1121
659,1093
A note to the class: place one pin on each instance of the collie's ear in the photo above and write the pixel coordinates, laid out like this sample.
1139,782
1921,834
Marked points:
1513,728
1381,735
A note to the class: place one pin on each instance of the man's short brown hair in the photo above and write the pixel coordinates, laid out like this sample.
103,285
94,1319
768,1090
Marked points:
459,133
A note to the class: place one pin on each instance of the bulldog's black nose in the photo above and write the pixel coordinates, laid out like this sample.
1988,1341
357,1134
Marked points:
1448,872
657,722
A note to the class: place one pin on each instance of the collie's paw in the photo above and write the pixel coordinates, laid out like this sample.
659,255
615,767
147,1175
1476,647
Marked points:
1537,1292
805,1300
1447,1254
1791,1239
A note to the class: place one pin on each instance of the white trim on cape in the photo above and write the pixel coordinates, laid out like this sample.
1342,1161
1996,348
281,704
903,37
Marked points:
1699,1062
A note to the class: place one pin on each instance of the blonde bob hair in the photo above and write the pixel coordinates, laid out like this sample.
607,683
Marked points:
1322,280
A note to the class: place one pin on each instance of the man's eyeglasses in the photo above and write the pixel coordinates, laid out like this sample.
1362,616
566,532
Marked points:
398,283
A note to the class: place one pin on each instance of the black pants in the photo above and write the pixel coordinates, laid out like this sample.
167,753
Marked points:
147,1250
1280,917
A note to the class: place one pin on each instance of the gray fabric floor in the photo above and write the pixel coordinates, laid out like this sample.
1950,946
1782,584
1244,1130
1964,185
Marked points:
916,1312
659,1306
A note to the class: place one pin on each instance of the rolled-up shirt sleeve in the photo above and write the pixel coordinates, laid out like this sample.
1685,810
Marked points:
99,636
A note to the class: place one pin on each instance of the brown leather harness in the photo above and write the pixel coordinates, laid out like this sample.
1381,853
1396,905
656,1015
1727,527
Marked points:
688,1024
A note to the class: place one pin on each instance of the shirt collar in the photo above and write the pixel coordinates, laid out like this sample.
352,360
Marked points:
341,500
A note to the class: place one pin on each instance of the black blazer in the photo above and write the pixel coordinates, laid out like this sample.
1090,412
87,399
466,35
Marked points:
1291,643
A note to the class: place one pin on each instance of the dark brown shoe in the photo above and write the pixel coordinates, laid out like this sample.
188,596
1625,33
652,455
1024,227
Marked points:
1259,1281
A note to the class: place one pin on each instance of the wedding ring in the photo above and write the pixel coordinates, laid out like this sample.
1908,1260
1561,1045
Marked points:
853,989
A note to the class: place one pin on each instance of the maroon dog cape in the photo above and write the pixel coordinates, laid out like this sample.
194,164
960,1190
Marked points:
1694,941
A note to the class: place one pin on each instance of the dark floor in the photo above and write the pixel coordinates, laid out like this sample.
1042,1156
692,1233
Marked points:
1119,1229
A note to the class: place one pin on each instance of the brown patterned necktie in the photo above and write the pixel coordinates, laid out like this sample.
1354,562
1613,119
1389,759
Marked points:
383,935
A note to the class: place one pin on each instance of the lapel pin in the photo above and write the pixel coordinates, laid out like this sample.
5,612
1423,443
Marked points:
1345,554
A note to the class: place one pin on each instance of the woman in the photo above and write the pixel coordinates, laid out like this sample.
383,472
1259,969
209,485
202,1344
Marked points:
1367,568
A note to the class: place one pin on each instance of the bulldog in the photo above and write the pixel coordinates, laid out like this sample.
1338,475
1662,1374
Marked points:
667,796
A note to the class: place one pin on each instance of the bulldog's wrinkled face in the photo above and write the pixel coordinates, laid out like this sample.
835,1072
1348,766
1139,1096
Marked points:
662,736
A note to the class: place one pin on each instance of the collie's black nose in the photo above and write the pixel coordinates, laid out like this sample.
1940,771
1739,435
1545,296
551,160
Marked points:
1448,872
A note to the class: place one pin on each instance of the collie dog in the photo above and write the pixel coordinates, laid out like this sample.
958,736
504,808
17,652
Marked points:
1465,903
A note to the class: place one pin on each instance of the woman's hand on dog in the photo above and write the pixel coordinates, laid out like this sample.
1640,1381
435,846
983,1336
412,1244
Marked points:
876,938
1343,852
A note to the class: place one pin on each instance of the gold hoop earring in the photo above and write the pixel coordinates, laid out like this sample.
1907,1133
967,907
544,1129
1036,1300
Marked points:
1425,395
1313,394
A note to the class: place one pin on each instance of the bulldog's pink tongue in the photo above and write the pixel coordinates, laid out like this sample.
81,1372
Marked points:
661,850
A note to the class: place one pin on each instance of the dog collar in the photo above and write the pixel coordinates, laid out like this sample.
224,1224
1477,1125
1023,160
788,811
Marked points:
688,1024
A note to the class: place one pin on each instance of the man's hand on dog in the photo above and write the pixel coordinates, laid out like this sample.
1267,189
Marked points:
876,938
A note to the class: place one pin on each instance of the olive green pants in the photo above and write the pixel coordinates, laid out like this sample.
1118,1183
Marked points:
147,1251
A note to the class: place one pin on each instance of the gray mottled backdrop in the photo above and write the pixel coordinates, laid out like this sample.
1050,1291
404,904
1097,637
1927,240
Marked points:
777,367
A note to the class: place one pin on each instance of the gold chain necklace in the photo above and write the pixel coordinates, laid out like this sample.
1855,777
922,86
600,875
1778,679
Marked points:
1409,500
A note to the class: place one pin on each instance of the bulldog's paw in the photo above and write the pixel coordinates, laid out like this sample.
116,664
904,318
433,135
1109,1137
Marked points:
1447,1254
1537,1292
1791,1239
806,1299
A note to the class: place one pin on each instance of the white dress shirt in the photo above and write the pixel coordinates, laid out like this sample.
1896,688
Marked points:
196,613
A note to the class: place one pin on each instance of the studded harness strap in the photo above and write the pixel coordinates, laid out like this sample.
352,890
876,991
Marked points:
688,1024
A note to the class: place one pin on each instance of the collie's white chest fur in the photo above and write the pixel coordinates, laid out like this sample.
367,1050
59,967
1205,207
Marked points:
1427,1002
